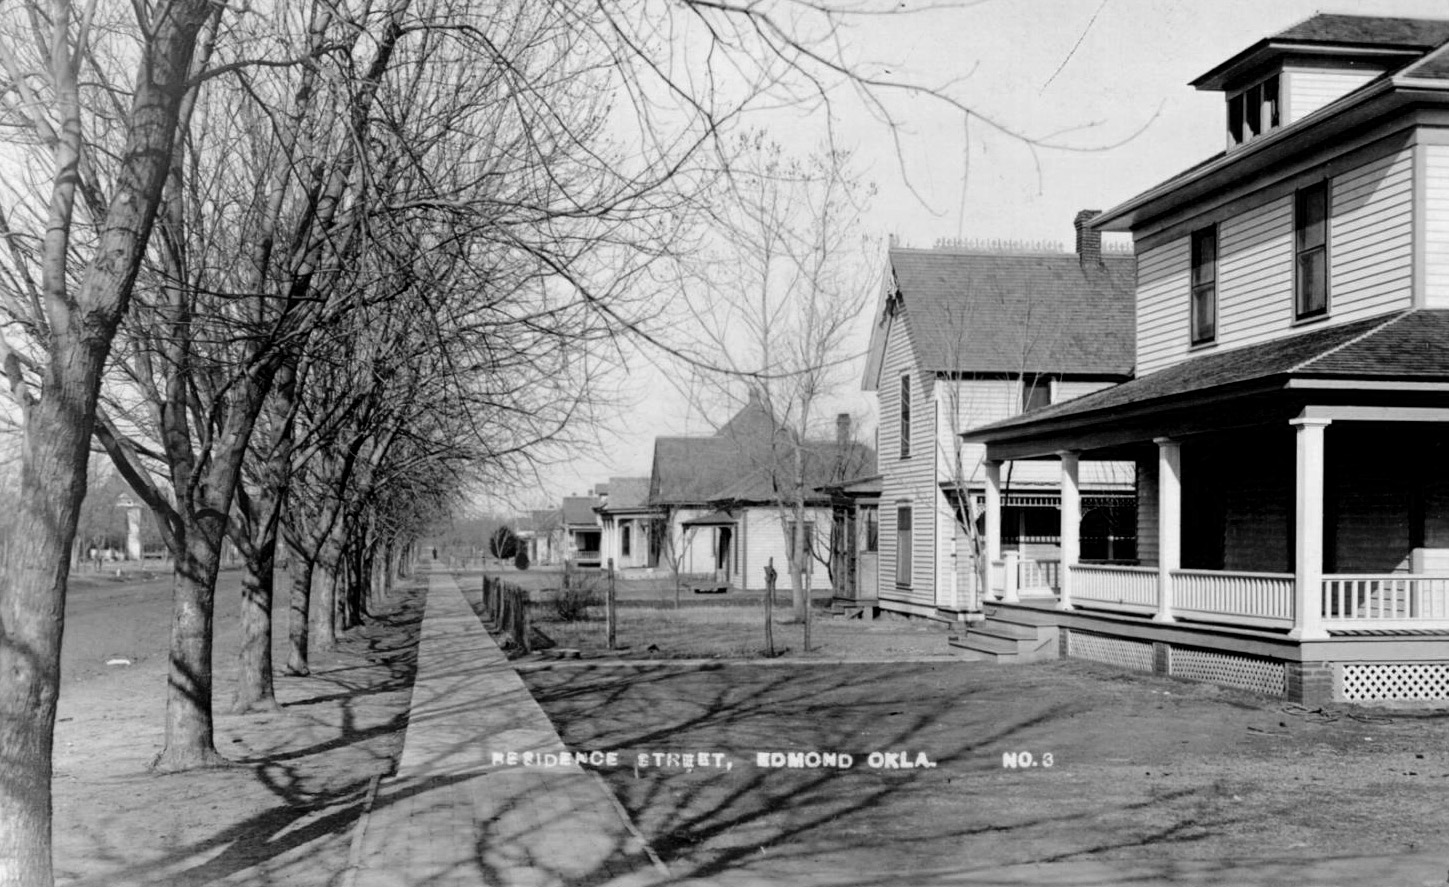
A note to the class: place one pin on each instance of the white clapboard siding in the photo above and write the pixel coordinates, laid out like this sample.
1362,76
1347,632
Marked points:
1162,287
1436,226
1370,265
1371,239
1311,88
911,480
765,539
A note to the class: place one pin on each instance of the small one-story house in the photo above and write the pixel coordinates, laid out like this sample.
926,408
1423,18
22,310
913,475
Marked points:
583,534
627,521
966,336
542,534
721,499
1289,419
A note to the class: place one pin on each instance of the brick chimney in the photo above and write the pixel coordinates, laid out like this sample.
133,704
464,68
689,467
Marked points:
1089,240
842,430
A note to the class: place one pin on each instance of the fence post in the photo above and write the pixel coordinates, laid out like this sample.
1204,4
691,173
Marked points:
609,614
770,576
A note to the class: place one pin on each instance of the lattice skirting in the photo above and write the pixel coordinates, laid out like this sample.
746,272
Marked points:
1230,670
1396,681
1136,655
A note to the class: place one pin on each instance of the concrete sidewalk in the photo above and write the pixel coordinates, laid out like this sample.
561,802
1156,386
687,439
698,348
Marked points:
451,815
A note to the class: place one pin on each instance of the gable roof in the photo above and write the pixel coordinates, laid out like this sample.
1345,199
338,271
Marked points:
627,492
739,463
579,510
1406,345
985,312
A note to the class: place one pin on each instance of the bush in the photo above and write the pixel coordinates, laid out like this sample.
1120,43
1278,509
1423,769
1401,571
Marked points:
503,544
571,604
520,560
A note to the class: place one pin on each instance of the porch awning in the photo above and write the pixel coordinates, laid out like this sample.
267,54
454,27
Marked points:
713,519
1383,356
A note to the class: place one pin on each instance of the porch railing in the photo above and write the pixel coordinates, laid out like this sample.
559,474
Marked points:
1039,574
1264,599
1393,600
1131,589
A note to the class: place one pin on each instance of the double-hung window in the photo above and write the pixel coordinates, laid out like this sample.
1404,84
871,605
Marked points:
903,546
1310,235
905,417
1204,311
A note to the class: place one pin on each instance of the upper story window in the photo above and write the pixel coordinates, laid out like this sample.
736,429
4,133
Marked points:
1254,112
1204,311
1310,236
905,416
1036,391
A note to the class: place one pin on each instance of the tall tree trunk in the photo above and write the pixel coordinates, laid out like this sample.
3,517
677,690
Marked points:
323,616
32,618
254,685
57,427
299,613
190,739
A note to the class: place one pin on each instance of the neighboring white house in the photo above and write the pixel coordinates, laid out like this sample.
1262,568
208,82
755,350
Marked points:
583,533
717,498
965,337
628,523
1290,416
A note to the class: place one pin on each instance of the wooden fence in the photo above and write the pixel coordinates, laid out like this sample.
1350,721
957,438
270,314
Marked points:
505,610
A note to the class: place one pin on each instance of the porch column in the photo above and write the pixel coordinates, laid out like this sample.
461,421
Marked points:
1071,525
993,522
1308,531
1169,523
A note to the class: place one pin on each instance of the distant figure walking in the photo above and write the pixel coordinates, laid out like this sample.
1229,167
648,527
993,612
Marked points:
435,552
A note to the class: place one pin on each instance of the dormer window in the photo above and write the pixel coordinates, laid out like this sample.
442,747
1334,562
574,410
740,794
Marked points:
1254,111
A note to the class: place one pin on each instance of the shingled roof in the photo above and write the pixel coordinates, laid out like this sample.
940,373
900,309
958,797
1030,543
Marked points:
738,464
627,492
977,312
579,510
1405,345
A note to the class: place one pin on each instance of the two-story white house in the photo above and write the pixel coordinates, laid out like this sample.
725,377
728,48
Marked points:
964,337
1289,418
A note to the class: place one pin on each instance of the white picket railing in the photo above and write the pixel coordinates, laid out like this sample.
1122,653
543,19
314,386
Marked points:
1260,599
1131,589
1039,574
1391,600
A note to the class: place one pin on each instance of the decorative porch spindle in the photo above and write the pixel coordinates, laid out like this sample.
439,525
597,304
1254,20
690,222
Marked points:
1169,523
1308,530
1071,525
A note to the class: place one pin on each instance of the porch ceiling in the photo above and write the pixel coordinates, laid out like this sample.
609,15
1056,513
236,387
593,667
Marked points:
1384,368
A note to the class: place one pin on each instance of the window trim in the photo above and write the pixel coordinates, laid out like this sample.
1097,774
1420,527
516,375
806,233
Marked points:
1031,382
1299,252
1257,121
904,564
1197,237
905,411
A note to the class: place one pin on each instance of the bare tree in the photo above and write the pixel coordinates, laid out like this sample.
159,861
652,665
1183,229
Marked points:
774,306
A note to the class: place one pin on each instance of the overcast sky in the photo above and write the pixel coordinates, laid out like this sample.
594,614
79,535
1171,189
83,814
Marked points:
1107,77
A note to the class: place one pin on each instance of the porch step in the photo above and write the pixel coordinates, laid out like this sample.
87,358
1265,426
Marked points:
1008,638
842,609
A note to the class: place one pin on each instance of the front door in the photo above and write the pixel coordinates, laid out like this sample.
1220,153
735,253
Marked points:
723,553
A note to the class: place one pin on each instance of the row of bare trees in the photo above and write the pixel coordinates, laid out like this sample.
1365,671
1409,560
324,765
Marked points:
307,272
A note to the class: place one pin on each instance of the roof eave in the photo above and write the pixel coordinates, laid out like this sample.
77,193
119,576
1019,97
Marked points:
1378,99
1265,51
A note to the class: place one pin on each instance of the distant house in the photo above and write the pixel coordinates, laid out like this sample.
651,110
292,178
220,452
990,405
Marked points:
542,534
628,522
964,337
718,497
583,533
1289,418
